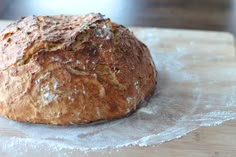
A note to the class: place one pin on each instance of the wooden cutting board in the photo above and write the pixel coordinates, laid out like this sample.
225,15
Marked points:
217,141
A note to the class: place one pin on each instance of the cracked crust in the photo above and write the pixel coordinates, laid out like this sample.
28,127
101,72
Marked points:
72,70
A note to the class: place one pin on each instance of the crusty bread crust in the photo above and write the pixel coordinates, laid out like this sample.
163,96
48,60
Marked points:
72,70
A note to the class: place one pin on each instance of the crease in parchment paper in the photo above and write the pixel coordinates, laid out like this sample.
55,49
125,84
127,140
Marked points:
184,100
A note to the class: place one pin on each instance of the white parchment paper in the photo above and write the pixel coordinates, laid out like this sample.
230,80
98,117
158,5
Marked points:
196,87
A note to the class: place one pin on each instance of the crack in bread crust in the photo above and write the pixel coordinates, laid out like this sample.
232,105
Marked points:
25,33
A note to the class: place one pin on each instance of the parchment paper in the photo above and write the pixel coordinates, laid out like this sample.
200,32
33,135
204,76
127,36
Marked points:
196,87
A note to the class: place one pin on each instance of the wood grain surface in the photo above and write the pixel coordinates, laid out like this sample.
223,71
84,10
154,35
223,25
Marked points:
216,141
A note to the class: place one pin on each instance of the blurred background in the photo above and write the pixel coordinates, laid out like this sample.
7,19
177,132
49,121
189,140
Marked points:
217,15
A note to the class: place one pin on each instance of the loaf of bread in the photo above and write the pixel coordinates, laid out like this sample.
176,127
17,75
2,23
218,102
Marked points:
72,70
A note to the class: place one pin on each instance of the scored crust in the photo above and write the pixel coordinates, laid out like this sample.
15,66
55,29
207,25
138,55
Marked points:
72,70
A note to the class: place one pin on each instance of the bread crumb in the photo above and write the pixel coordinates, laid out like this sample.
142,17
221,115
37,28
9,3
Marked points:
78,62
129,99
84,92
72,99
55,59
68,61
48,97
98,112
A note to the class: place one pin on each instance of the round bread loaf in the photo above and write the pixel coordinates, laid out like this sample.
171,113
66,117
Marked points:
72,70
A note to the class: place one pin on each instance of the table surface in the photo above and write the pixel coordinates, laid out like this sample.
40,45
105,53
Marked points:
204,142
217,15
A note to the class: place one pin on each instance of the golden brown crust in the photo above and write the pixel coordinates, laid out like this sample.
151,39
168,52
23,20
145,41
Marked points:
72,69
